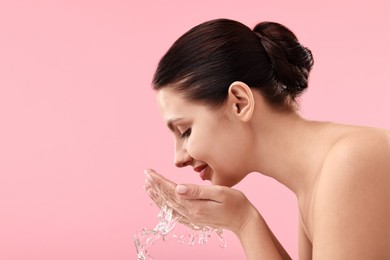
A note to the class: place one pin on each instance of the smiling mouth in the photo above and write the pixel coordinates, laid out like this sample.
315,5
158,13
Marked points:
202,171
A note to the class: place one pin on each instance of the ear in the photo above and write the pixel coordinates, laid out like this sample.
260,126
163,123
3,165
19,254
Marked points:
241,100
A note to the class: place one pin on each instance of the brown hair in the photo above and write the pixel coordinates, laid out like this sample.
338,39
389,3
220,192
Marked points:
204,61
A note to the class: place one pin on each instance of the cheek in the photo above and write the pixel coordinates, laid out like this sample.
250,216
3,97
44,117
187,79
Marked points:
231,160
213,145
219,146
222,153
197,148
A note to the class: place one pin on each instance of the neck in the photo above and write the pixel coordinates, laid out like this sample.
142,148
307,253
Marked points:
284,143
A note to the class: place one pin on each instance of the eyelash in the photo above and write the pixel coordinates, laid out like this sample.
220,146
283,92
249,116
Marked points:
187,133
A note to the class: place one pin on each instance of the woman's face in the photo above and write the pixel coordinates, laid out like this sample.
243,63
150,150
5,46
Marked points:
209,140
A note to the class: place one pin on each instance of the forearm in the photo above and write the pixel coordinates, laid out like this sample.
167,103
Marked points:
258,240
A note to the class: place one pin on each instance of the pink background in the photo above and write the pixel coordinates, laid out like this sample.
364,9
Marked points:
79,121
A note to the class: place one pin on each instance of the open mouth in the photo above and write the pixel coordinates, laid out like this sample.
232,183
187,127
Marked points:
202,171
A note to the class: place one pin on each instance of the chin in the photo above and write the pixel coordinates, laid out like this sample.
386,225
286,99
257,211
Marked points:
220,182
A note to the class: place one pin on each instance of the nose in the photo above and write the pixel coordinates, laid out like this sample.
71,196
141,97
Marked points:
182,158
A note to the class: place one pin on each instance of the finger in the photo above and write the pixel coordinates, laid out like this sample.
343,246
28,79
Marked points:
167,194
164,194
153,176
214,193
156,199
161,201
162,186
191,210
162,183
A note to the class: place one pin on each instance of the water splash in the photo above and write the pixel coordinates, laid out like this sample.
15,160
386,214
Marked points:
164,230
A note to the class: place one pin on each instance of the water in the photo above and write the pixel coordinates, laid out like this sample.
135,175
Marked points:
164,230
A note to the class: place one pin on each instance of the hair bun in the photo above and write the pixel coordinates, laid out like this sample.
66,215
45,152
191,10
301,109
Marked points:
290,60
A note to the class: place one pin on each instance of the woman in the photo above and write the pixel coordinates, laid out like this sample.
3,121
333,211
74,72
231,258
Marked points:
228,94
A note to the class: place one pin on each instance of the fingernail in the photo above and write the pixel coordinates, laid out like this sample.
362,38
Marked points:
147,182
181,189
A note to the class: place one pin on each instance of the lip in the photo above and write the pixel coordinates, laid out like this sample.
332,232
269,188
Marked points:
200,168
202,171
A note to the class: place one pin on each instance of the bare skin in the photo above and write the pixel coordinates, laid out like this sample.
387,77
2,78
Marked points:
340,175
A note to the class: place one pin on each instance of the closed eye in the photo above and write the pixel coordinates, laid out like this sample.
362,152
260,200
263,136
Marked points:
187,133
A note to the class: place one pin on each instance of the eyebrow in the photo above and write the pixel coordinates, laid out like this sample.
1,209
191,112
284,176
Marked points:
171,121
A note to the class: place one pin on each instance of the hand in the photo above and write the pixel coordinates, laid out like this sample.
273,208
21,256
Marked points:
163,195
215,206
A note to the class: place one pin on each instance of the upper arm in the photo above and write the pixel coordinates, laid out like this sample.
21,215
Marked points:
351,211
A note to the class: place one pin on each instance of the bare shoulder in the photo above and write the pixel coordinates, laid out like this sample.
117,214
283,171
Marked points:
351,210
363,147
